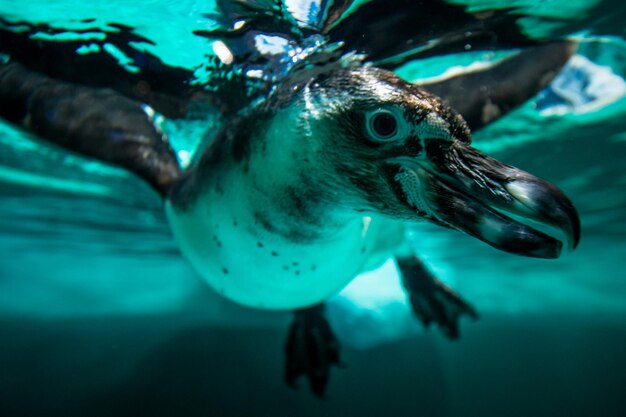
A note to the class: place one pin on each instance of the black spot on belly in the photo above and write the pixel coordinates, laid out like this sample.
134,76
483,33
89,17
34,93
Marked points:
217,241
259,244
295,263
286,268
313,268
225,271
297,272
235,223
363,249
274,253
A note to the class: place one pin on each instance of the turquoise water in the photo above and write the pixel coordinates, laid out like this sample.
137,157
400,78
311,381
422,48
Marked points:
100,315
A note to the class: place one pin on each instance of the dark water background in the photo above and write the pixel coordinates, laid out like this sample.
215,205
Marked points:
100,315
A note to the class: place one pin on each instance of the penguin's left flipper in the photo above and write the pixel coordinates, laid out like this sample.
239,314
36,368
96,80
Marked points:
431,300
95,122
311,349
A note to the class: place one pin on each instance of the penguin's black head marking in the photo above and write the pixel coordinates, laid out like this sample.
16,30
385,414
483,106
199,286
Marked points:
391,108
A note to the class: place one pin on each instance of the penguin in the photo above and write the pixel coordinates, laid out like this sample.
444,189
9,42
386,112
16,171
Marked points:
300,193
321,161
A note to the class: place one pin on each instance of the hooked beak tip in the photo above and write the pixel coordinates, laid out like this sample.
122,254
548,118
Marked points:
547,204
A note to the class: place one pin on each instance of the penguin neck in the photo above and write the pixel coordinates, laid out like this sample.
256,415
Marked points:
294,190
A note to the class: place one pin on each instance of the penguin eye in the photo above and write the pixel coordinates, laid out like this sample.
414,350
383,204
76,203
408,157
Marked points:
383,125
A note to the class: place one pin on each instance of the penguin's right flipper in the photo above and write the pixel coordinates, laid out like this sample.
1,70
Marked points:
98,123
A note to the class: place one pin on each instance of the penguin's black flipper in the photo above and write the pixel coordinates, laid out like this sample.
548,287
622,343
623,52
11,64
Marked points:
431,300
483,96
311,349
98,123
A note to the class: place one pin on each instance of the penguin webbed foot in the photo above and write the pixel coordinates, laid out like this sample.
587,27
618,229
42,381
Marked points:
311,349
431,300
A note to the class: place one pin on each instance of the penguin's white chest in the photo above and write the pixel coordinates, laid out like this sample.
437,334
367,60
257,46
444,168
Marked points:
246,263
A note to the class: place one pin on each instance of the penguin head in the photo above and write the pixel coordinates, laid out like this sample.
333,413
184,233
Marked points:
384,146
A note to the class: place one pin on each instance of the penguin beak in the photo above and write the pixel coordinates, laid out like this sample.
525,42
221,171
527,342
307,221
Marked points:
459,187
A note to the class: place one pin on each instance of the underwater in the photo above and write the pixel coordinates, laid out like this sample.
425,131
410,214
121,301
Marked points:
274,208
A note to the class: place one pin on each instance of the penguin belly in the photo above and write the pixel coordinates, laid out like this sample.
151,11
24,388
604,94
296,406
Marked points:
245,263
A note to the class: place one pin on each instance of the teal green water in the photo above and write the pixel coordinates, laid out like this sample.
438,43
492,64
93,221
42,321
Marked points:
99,314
